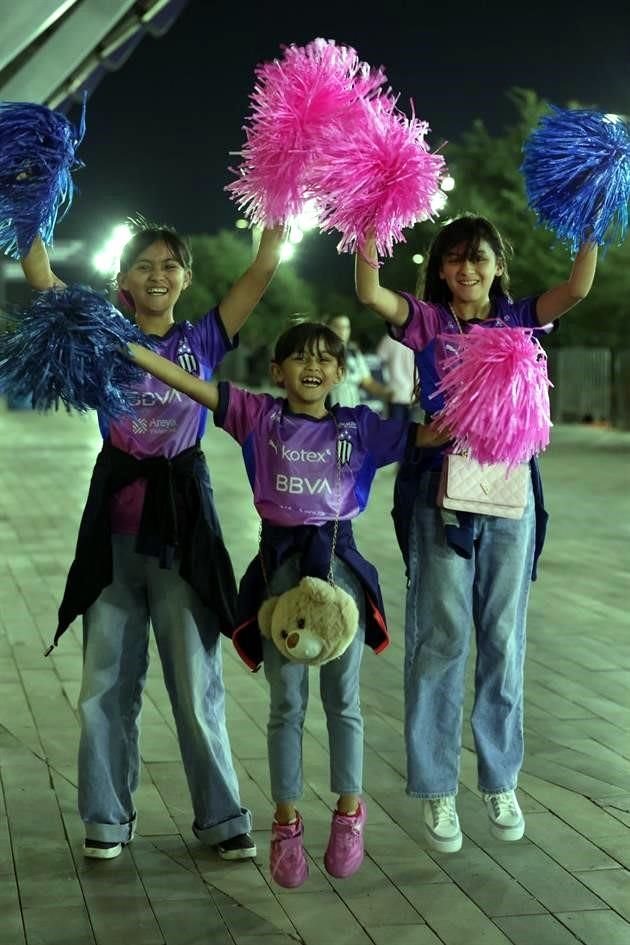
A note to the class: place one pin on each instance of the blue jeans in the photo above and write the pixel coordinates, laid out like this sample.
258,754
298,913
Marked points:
339,689
115,662
449,595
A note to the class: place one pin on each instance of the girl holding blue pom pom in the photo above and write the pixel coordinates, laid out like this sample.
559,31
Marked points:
465,569
150,549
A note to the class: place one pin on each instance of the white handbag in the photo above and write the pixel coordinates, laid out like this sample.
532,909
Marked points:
494,489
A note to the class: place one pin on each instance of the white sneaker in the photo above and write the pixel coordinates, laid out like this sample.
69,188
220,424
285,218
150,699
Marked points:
441,824
506,817
101,850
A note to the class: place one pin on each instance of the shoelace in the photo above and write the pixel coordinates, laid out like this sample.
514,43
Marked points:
503,804
443,810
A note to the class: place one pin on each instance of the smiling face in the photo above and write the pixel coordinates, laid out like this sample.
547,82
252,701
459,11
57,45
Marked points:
307,377
469,273
155,280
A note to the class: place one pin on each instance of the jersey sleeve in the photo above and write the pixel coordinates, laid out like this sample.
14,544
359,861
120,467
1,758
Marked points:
210,339
239,411
385,440
522,314
421,327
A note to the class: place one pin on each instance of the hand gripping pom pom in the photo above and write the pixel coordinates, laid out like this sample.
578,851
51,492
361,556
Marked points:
496,393
68,346
577,175
294,100
37,157
375,176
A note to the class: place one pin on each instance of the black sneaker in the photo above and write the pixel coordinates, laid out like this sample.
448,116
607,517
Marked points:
241,847
101,849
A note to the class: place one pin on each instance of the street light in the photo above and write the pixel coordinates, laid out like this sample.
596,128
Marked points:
287,251
107,259
297,227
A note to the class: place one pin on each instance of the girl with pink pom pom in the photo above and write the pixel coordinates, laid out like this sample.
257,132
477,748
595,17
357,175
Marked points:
465,569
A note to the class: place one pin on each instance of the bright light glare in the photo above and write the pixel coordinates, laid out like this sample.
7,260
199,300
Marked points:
241,224
438,201
447,184
307,219
287,251
418,258
107,259
296,235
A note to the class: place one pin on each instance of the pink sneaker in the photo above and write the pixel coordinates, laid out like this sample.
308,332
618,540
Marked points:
344,854
287,862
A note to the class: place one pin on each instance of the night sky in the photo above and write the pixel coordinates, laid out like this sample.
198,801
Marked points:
159,131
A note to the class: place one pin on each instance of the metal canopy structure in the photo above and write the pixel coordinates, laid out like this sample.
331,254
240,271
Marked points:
53,52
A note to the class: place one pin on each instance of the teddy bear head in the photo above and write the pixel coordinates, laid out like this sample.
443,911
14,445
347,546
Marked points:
313,622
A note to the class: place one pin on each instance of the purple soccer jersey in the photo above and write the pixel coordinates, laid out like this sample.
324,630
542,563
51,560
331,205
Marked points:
305,471
429,325
165,422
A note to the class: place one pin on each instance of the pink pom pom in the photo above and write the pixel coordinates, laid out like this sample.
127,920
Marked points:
375,175
497,395
293,102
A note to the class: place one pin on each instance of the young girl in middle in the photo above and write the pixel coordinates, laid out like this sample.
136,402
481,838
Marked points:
310,469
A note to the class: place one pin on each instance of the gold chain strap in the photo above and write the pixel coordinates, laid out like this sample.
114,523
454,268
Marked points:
330,577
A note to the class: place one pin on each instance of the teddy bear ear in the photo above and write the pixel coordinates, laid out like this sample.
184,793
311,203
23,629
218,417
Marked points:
265,616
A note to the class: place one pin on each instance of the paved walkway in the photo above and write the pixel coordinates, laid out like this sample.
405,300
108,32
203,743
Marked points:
567,882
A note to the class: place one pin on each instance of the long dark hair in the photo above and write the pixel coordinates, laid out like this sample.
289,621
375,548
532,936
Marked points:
311,337
466,231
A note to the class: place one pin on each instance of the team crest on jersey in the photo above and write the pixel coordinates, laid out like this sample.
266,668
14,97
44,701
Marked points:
344,448
186,359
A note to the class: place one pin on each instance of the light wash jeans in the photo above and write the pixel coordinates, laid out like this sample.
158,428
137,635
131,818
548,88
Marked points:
449,595
339,689
116,658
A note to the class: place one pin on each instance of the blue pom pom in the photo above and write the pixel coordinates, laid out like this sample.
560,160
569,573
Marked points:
37,157
577,175
68,347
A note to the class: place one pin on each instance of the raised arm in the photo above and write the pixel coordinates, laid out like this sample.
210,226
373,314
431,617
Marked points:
247,291
36,267
204,392
555,302
389,305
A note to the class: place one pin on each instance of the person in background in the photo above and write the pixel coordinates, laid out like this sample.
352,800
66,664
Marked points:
357,376
399,365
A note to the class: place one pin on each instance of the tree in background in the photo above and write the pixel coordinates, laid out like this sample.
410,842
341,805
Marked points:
218,262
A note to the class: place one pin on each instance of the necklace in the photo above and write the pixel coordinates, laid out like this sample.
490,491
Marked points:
452,311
